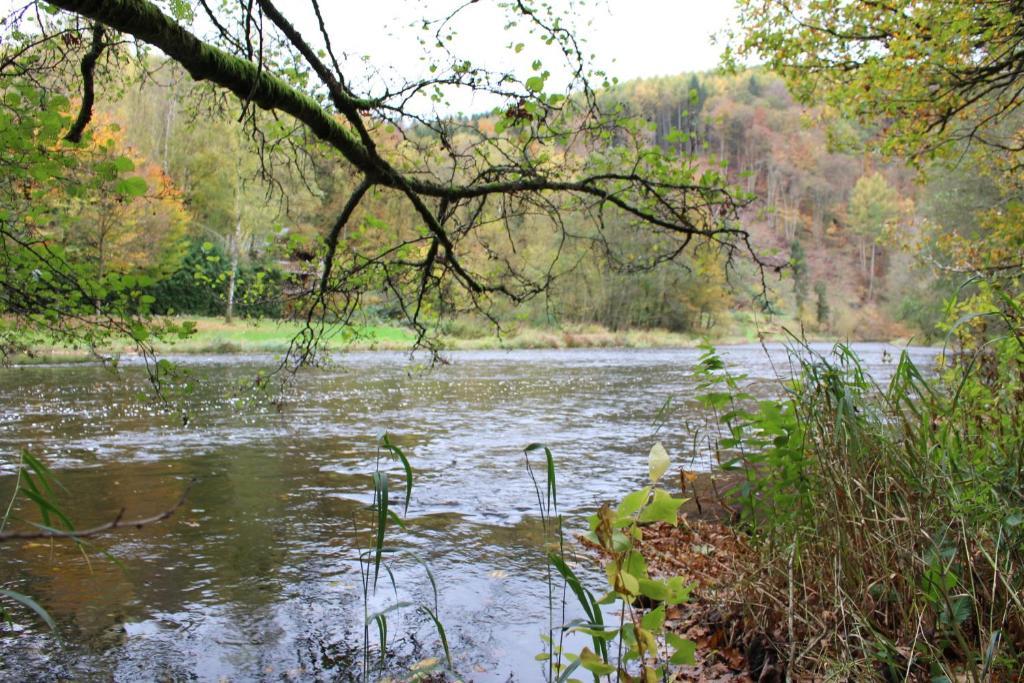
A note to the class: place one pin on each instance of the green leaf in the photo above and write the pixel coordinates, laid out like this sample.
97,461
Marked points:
597,633
664,508
655,590
32,605
657,462
44,474
549,464
594,664
535,83
124,164
959,610
685,649
678,591
398,453
380,482
382,629
131,187
633,502
654,620
635,564
629,583
440,632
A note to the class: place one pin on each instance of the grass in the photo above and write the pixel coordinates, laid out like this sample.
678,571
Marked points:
213,335
887,521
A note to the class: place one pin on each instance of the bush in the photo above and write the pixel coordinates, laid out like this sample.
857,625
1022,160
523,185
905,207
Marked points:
199,286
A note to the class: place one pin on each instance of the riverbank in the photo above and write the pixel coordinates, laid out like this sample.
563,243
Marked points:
715,559
214,336
877,535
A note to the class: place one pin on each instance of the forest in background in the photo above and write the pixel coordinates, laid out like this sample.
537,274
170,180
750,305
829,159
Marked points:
851,231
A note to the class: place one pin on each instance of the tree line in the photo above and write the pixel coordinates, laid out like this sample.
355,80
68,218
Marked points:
218,235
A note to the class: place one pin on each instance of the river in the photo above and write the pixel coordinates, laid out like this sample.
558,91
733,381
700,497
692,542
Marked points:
256,576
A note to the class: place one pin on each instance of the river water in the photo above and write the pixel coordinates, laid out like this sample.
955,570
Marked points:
257,576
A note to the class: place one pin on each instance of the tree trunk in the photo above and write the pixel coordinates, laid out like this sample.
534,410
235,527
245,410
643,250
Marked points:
234,246
100,267
232,274
871,275
168,125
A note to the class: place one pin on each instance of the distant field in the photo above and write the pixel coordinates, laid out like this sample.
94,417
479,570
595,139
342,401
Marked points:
213,335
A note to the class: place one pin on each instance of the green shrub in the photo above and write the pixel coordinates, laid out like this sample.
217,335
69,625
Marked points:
199,286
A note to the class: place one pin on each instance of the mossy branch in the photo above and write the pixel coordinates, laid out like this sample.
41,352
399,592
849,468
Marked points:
74,134
204,62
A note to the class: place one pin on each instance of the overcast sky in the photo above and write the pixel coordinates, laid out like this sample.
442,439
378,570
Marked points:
643,37
656,37
628,38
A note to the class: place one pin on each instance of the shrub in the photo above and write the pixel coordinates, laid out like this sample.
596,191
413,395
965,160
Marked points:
889,521
198,287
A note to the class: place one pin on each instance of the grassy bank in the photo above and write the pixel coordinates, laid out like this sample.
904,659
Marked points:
213,335
885,524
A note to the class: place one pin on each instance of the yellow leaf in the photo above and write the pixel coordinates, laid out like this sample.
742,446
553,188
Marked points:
427,663
657,462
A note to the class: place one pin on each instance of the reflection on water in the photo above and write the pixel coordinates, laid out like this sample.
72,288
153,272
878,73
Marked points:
257,576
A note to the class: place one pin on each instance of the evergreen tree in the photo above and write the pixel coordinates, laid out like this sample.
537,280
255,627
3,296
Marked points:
822,304
798,261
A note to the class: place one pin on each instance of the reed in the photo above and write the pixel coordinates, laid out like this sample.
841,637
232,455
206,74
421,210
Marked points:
888,520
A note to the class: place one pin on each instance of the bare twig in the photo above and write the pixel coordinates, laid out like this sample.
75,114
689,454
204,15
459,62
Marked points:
117,523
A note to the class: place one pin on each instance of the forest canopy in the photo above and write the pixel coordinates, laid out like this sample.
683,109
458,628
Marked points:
938,84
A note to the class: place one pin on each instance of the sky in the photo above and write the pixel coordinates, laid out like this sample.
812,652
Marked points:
643,37
378,40
658,37
627,38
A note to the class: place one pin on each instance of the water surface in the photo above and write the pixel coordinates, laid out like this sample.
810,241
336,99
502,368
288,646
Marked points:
257,575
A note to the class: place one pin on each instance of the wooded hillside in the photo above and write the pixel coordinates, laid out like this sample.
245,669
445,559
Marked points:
822,204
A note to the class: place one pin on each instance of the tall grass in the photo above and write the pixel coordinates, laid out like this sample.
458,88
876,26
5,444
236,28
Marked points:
888,520
36,482
373,558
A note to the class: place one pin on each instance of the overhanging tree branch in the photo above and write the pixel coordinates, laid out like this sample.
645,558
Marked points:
146,22
74,134
205,62
547,157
